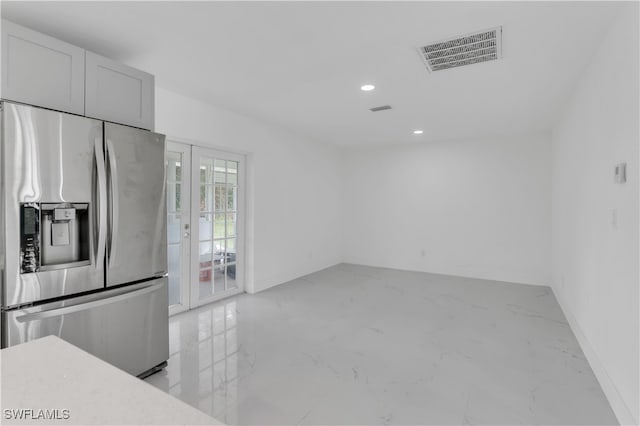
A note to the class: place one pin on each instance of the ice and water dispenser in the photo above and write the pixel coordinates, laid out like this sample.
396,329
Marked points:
54,236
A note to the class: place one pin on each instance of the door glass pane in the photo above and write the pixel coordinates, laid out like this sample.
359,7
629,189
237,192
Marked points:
219,252
206,170
205,282
205,227
205,269
174,166
206,253
173,197
206,198
230,253
231,277
220,171
177,204
231,264
174,229
220,197
232,197
231,224
231,250
175,225
232,172
218,226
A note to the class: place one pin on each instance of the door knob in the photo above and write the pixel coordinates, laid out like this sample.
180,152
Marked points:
186,234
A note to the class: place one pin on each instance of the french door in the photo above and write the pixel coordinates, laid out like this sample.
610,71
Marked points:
217,263
205,190
178,162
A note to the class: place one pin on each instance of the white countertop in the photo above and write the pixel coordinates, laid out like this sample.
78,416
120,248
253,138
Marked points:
51,374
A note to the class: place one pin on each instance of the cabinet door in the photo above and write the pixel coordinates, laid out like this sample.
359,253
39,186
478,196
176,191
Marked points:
41,70
118,93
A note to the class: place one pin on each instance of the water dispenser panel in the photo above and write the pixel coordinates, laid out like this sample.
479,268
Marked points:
54,236
29,238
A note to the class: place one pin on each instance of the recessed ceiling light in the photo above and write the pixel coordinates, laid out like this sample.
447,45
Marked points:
418,132
367,87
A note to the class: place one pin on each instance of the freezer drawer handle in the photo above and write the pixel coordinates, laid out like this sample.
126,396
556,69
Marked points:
89,305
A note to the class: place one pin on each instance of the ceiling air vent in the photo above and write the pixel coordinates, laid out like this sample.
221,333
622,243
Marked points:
380,108
469,49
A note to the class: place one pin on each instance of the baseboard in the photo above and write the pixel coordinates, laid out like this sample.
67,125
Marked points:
619,407
458,275
293,277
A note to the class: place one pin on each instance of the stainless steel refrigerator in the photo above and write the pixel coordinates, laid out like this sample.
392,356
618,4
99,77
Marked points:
83,236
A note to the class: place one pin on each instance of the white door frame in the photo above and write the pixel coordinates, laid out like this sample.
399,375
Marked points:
185,231
197,152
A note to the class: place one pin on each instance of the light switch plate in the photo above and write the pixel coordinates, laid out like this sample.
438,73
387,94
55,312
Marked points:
621,173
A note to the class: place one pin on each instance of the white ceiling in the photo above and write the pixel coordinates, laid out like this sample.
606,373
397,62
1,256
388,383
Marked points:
299,65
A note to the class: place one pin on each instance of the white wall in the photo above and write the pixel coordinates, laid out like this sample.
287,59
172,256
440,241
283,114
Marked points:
478,208
533,209
293,187
595,262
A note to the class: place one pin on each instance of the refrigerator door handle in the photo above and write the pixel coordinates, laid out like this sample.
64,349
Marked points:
115,206
56,312
102,202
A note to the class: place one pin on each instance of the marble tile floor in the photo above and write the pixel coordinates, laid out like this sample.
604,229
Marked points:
356,345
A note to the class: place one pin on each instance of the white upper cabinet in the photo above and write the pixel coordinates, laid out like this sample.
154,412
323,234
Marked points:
118,93
41,70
